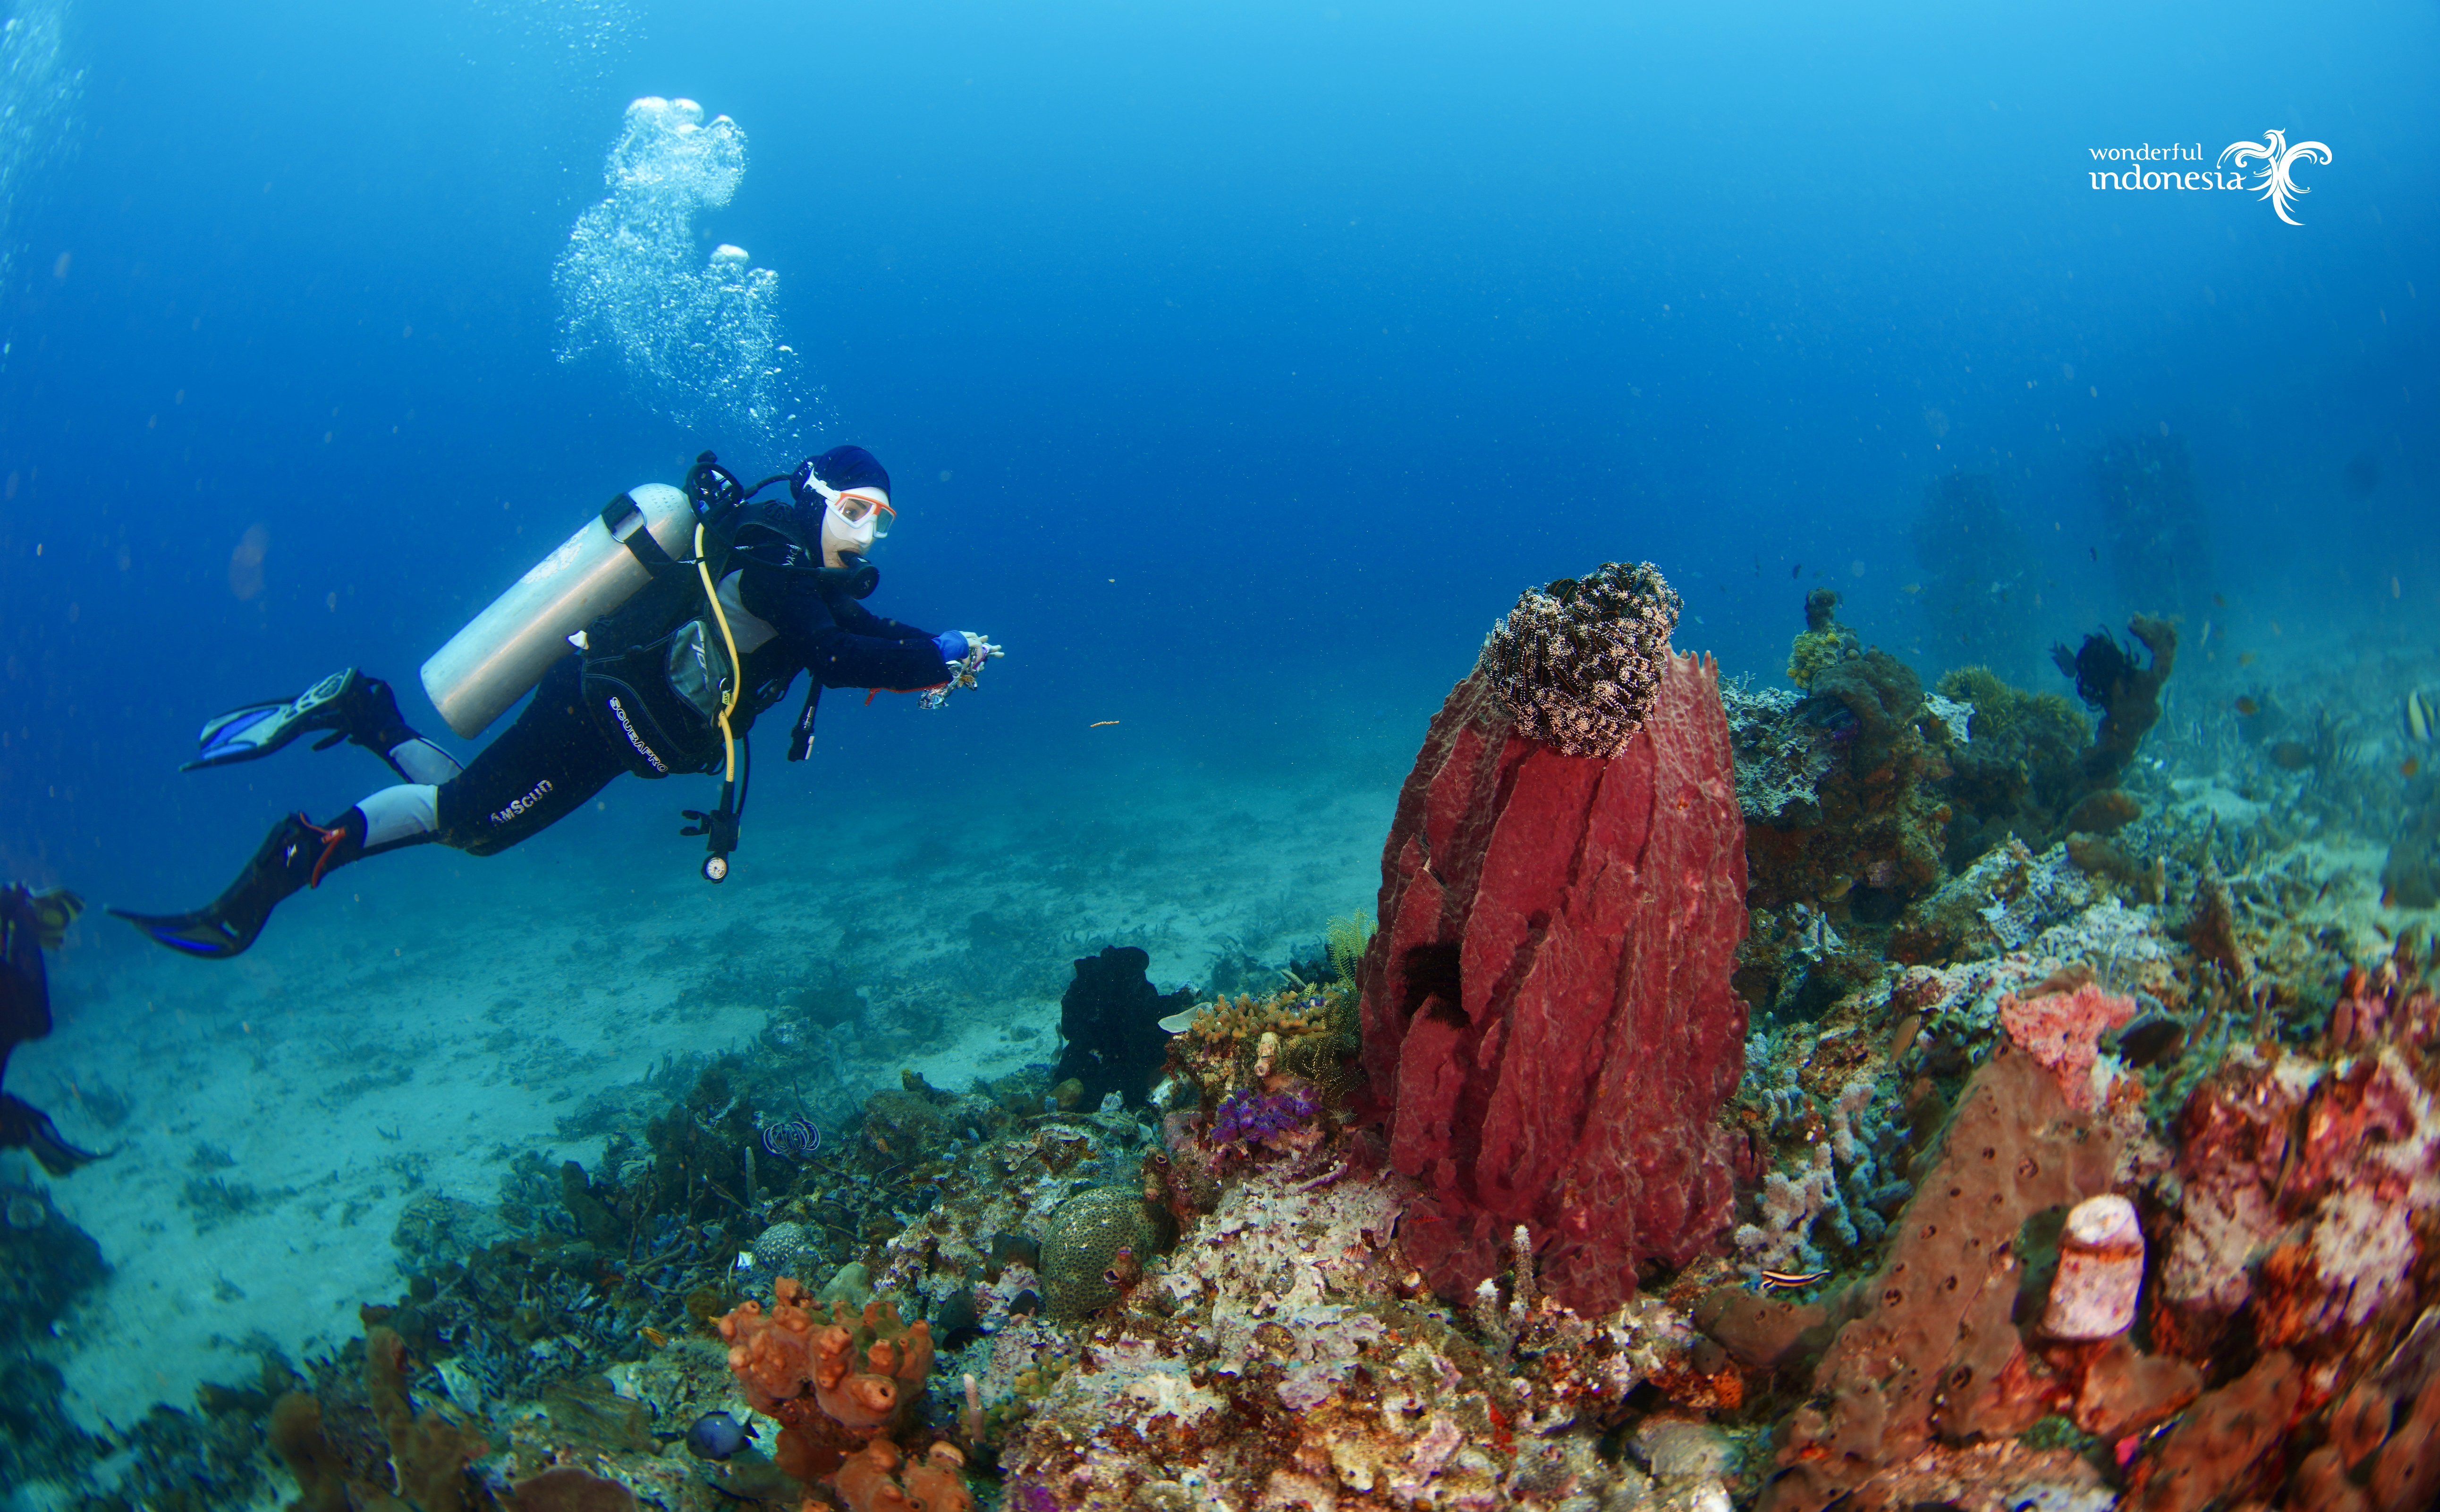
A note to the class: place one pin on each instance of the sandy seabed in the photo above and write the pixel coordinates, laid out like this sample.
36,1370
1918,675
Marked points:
426,1017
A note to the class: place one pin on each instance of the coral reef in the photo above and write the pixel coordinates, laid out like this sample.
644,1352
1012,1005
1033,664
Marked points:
1288,1357
2018,769
1110,1017
2127,696
1781,757
2103,1173
1096,1247
1220,1047
1929,1348
1822,644
1546,1011
1871,840
421,1457
1578,664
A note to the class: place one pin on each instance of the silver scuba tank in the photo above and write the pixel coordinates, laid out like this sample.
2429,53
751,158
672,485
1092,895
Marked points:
505,649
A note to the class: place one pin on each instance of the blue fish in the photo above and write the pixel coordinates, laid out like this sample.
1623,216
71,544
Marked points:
716,1436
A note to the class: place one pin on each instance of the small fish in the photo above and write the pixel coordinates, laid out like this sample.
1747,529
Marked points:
1797,571
717,1435
2219,600
2415,715
1098,724
1790,1280
1911,588
2248,658
2151,1037
2409,767
2096,552
2247,708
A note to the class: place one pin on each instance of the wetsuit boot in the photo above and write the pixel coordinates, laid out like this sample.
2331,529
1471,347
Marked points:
297,854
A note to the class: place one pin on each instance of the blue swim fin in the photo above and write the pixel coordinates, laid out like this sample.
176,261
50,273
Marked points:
294,856
255,730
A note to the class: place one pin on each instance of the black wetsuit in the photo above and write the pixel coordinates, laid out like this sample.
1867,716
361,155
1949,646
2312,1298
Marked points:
558,755
25,1014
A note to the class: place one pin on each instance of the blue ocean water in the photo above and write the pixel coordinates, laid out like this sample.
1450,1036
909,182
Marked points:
1237,366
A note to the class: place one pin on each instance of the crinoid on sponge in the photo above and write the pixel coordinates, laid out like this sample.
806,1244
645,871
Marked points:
1092,1242
861,1372
1578,664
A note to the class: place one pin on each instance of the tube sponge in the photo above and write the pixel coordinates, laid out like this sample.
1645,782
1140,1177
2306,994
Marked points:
862,1372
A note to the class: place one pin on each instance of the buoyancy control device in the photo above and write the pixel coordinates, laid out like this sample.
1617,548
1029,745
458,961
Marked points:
661,664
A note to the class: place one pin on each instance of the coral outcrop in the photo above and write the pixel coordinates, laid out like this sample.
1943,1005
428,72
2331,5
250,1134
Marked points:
1097,1245
421,1456
1578,664
1286,1359
1931,1351
1863,837
1547,1011
1110,1018
2018,769
2126,695
839,1389
861,1372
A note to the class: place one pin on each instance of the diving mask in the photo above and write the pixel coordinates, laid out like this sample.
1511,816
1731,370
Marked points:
851,522
857,505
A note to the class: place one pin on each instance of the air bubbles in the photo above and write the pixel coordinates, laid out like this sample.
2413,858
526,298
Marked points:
699,343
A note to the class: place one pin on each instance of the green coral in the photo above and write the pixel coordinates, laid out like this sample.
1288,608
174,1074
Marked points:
2019,772
1082,1267
1814,653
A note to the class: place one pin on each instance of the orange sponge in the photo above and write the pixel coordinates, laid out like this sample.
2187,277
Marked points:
862,1371
877,1479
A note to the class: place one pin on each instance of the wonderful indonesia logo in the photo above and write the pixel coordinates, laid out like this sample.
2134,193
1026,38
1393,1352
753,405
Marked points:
2266,170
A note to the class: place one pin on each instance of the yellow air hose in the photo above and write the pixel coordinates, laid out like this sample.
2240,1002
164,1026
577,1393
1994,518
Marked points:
736,671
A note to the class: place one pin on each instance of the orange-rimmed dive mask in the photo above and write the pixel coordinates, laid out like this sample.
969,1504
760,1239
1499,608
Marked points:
851,522
857,505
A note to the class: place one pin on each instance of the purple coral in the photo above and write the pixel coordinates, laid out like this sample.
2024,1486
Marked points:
1257,1117
1032,1495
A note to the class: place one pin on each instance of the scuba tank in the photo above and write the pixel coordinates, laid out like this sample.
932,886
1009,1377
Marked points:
504,650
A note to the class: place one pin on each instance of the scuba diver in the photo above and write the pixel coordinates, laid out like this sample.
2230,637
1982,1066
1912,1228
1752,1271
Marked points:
672,666
31,922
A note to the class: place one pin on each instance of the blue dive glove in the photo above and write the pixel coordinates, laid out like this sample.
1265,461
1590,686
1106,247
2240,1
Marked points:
952,643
